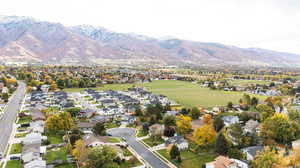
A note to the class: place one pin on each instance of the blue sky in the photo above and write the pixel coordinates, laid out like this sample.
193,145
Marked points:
270,24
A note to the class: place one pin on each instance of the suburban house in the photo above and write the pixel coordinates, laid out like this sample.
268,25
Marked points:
229,120
85,126
296,143
32,149
251,126
179,141
92,140
252,151
156,129
225,162
37,115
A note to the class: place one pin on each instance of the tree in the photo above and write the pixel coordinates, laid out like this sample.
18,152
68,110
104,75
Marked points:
279,128
174,152
269,159
169,120
80,151
102,157
218,123
138,112
5,97
195,113
54,123
73,111
205,135
294,158
230,105
169,131
184,111
99,129
254,101
294,115
57,122
235,153
235,131
184,124
265,111
67,120
222,145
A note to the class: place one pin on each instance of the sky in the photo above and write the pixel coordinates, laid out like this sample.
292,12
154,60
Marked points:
269,24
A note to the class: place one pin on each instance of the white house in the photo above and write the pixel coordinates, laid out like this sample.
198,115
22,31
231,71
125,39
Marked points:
296,144
179,141
229,120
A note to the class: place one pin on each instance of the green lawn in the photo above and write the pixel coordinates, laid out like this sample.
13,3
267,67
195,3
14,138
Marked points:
14,164
66,166
113,140
126,152
54,154
111,125
248,82
54,138
141,133
16,148
20,135
189,159
23,120
151,142
184,93
131,163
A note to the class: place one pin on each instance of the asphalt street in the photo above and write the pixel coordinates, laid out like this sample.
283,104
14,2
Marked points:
10,114
128,135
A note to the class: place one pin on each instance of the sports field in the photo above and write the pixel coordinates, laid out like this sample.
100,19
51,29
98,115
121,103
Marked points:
184,93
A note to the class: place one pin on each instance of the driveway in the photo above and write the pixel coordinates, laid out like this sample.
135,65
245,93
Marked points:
129,135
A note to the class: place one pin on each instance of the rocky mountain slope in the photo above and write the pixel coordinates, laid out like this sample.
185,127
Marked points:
24,39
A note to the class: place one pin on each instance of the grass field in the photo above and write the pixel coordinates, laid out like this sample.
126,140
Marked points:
184,93
14,164
16,148
247,82
189,159
53,154
54,138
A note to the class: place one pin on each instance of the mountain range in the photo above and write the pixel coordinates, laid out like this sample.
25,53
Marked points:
24,39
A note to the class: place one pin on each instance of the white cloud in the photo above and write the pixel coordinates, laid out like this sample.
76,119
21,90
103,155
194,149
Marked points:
271,24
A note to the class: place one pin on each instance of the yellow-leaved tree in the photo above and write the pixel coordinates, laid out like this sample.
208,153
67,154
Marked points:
184,124
205,135
269,159
80,151
294,158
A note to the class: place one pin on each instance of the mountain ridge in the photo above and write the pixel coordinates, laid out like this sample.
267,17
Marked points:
29,40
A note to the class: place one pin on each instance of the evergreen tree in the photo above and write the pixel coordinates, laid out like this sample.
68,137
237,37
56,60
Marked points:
222,145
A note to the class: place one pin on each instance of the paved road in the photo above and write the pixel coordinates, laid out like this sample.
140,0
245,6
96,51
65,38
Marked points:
9,116
128,134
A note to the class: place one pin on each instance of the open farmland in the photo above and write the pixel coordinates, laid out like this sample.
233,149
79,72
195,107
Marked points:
248,82
185,93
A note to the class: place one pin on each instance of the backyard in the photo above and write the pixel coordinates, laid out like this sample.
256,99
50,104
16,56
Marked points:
189,159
